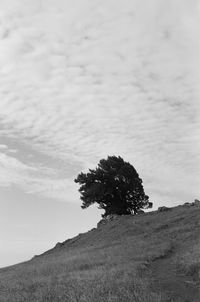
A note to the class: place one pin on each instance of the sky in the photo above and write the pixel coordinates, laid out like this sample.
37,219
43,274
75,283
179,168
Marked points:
84,79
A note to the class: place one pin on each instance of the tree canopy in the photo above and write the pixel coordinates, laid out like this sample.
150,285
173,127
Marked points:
115,186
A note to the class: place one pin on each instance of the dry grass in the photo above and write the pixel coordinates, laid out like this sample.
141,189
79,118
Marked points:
109,264
83,276
105,286
188,261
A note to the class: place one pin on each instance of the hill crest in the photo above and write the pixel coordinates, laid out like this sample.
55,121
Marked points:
157,252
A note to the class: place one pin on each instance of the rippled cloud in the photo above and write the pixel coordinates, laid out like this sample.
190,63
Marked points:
80,80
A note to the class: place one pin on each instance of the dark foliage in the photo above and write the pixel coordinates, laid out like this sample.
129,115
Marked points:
114,185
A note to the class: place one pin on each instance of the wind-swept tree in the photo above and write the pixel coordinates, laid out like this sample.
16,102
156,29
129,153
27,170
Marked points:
115,186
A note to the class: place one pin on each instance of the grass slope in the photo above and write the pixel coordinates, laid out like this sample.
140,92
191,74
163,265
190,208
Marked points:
153,257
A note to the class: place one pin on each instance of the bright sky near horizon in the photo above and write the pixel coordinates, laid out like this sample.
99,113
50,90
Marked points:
83,79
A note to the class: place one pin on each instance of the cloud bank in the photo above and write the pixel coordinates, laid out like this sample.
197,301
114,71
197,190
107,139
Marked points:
80,80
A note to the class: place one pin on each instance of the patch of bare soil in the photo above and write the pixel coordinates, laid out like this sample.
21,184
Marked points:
177,287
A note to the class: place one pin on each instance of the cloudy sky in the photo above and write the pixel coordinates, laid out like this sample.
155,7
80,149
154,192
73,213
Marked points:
83,79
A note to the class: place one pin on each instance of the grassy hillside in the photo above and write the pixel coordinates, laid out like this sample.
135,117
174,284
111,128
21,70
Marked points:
146,258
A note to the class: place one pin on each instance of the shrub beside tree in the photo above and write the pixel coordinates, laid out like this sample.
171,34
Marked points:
115,186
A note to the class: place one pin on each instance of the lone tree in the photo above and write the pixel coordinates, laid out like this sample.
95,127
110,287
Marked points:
114,185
